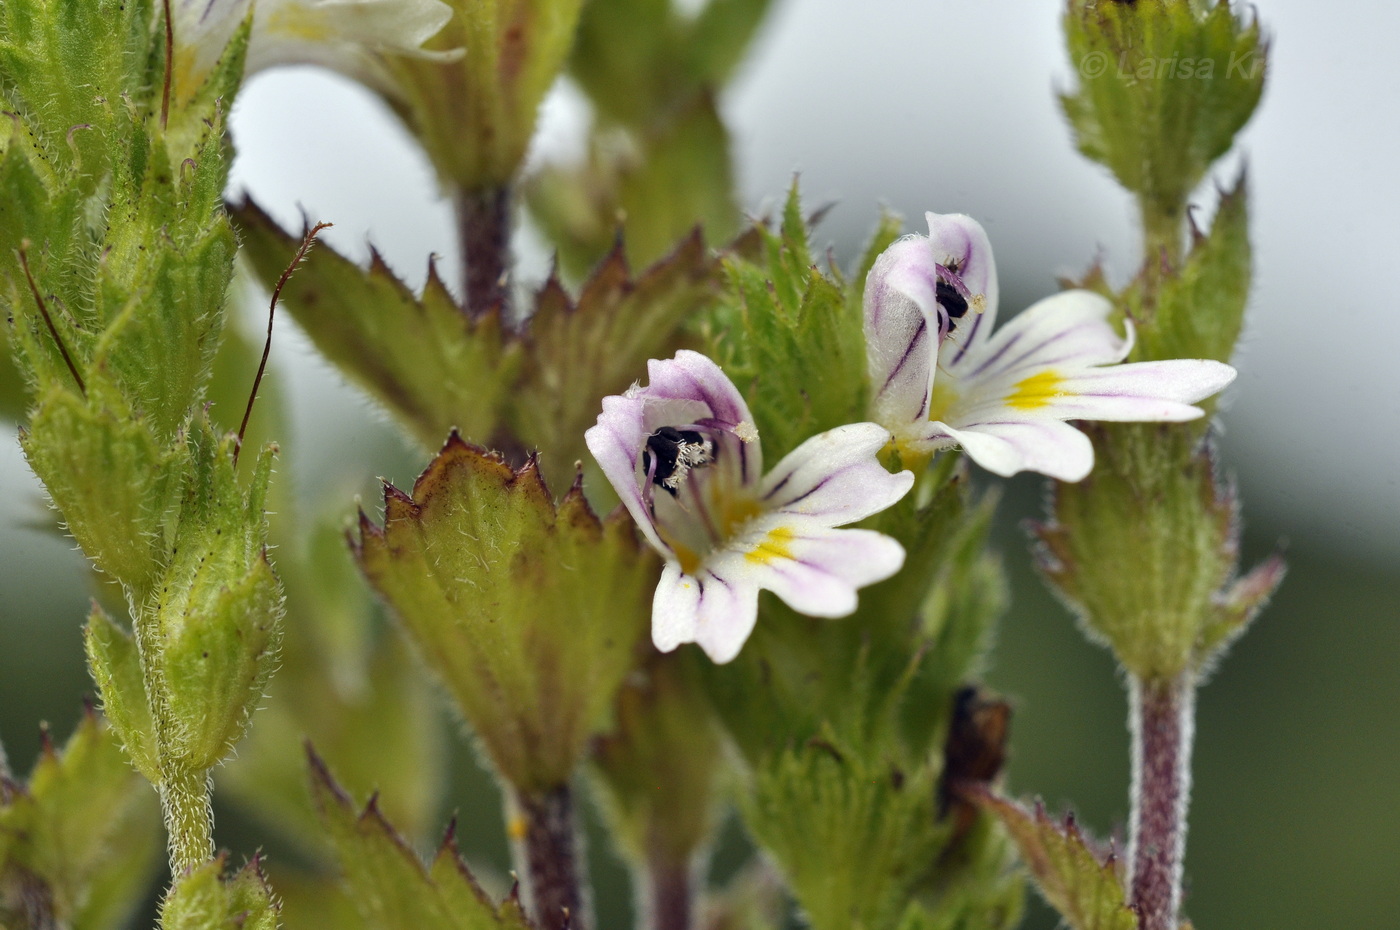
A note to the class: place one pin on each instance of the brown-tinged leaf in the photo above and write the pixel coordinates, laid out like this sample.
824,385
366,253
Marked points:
1080,881
420,356
530,613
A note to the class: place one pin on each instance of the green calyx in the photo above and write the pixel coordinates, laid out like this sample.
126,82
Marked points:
1145,550
529,612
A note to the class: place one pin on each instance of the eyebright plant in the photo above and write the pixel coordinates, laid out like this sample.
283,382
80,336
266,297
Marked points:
841,715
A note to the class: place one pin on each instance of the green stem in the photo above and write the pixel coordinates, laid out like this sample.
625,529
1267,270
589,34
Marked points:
1162,721
1162,232
189,821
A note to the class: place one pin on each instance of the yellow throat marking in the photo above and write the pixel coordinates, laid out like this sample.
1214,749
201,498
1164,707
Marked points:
777,544
1036,391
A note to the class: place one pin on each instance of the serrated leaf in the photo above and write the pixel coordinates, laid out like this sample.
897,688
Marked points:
422,358
791,337
530,613
107,475
81,839
579,351
1083,884
390,885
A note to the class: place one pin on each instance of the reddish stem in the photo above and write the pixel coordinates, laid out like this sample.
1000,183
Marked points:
1163,718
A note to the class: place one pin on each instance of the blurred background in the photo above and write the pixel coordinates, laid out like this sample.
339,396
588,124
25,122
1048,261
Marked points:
950,107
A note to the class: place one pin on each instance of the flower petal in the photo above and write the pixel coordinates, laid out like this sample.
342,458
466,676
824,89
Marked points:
1050,447
901,330
1137,393
816,569
956,238
709,608
616,442
1070,329
835,477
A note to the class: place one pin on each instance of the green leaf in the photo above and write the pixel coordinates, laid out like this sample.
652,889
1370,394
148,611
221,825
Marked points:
1197,310
1083,884
69,63
530,613
422,358
852,835
116,667
657,771
79,841
390,885
639,59
1163,87
216,615
791,337
107,475
203,899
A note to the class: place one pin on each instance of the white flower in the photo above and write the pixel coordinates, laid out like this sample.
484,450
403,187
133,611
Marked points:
941,377
685,458
348,36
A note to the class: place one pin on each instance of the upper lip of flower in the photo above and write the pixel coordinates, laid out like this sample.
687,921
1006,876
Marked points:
729,530
942,379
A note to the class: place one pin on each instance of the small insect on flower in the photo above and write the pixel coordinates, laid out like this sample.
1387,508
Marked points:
671,453
1004,396
727,530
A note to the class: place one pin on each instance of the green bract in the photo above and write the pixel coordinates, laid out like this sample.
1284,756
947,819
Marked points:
392,888
530,613
78,841
1082,883
204,899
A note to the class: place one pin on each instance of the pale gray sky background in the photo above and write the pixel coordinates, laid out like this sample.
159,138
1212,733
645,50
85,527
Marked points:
949,106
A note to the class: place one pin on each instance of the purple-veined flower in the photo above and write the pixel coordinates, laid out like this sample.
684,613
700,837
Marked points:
685,457
941,376
348,36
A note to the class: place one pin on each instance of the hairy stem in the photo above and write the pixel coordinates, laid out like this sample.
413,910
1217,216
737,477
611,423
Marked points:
188,819
668,896
1162,721
1162,233
548,859
483,223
